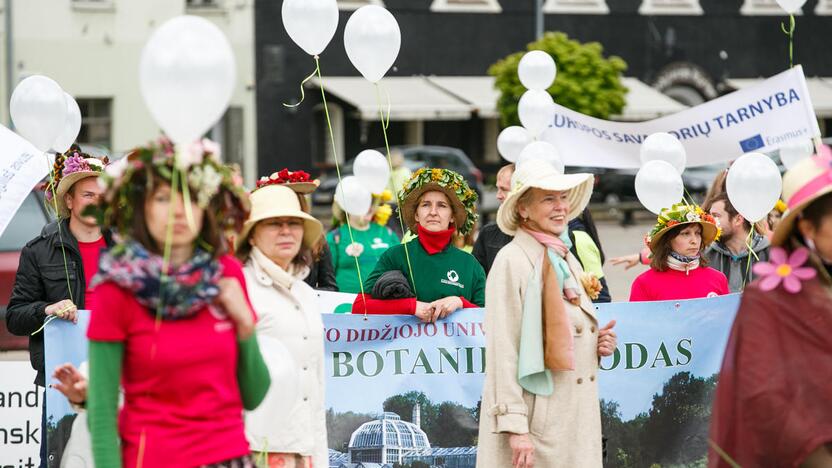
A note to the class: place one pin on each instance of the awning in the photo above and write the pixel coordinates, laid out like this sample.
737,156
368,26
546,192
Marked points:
411,98
460,97
820,90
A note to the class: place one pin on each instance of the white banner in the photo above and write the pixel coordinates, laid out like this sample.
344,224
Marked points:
759,118
22,166
20,415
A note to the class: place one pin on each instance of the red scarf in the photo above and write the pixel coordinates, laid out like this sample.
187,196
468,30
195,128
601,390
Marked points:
434,242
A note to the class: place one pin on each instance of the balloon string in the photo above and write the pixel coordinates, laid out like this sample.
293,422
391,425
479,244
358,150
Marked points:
751,253
722,454
397,191
790,32
338,172
302,83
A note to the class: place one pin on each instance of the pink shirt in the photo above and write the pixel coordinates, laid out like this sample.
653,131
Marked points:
90,252
185,398
672,285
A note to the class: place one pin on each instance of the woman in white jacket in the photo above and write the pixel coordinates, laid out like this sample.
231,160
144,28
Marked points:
275,246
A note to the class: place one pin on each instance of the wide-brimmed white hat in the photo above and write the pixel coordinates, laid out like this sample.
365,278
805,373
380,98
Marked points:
539,174
279,201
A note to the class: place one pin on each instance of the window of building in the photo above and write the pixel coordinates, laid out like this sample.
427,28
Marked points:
576,6
94,5
670,7
205,6
96,122
466,6
824,7
765,7
356,4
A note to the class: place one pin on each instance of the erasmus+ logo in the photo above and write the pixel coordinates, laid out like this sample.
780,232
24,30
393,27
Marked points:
752,144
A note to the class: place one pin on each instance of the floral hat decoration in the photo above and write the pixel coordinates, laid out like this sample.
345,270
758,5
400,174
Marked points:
681,214
299,181
211,184
69,168
463,199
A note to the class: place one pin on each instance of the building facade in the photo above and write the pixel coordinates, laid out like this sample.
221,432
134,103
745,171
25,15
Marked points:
92,49
687,49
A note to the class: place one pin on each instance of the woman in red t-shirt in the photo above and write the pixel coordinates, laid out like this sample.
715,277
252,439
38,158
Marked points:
171,321
677,268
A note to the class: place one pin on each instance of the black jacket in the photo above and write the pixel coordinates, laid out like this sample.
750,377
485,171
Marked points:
41,280
322,273
490,240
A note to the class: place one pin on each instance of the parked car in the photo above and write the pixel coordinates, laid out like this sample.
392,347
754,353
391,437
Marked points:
26,224
415,157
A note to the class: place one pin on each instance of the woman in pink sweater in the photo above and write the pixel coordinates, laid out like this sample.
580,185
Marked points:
677,268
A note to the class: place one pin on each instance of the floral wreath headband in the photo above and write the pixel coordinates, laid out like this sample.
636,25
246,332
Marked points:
678,214
197,163
72,162
449,181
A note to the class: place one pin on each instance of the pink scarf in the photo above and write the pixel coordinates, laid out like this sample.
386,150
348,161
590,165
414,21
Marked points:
570,285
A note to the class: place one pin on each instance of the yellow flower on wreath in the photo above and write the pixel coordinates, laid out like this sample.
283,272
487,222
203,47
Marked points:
435,174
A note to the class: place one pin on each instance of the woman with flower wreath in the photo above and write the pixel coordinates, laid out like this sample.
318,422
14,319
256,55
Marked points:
369,240
678,270
171,320
772,404
428,276
321,274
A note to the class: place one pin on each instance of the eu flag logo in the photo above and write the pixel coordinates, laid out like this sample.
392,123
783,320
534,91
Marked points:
752,144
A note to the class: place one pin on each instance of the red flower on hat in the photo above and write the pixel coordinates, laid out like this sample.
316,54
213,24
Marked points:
284,176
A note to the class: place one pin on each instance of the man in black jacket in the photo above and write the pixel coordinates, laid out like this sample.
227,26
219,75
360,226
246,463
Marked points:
56,267
491,239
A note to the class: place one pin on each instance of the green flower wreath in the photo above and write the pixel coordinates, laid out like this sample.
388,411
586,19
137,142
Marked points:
452,183
210,184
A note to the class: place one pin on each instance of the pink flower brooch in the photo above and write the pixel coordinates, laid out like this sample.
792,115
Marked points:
785,268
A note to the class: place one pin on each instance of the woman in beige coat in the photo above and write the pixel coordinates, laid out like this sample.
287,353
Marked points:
540,400
276,245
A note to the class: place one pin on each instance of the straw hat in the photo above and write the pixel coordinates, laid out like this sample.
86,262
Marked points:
807,181
463,199
73,166
682,214
277,201
537,173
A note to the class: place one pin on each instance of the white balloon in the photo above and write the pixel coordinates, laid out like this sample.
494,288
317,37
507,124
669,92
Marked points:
511,142
38,110
372,39
664,147
353,196
72,126
284,391
372,169
793,152
791,6
544,151
537,70
186,76
310,23
753,185
658,185
536,110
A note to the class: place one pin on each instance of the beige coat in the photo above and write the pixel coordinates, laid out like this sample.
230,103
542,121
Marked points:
291,316
565,427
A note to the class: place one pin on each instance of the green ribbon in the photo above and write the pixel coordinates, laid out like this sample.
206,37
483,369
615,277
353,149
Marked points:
790,32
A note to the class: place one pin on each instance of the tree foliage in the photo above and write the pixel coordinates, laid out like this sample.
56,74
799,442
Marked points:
586,81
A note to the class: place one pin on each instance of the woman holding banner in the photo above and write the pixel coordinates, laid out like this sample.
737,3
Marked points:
540,399
428,276
171,320
678,270
276,245
772,405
